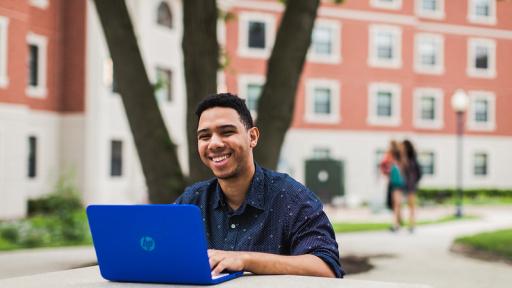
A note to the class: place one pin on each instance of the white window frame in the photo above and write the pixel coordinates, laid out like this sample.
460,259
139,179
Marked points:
243,32
426,69
244,81
4,38
334,86
473,18
487,171
335,56
472,71
39,91
396,61
395,5
438,14
434,162
42,4
490,97
373,118
437,94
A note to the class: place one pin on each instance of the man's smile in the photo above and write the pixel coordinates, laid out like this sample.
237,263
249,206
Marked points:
219,158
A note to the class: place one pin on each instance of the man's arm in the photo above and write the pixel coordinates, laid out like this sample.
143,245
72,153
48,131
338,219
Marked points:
266,263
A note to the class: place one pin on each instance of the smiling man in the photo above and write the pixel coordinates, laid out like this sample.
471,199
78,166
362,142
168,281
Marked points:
256,219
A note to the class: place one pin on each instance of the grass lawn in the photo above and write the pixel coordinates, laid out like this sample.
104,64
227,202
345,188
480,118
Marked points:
360,227
498,242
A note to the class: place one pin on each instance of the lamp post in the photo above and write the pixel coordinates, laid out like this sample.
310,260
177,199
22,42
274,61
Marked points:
460,103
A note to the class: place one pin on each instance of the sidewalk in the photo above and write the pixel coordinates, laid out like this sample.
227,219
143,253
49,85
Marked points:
424,257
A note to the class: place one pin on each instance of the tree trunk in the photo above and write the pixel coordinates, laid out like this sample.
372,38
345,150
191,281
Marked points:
277,101
201,59
155,148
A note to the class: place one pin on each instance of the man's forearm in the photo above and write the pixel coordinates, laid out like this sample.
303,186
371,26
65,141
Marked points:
265,263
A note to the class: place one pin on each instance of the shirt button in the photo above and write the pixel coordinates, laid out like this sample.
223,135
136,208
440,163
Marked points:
233,226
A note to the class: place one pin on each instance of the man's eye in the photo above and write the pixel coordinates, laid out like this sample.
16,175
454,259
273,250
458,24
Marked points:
203,137
230,132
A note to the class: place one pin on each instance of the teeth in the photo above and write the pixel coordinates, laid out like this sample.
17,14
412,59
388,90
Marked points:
220,158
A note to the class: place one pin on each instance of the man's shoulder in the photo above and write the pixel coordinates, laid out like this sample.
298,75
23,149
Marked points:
287,185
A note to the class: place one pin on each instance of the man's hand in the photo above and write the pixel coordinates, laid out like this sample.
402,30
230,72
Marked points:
226,260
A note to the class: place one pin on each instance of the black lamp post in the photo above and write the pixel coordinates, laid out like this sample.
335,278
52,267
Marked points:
459,104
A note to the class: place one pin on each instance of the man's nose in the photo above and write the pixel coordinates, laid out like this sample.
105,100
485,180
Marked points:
215,142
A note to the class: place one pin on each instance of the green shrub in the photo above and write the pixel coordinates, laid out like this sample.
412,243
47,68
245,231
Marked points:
443,195
10,233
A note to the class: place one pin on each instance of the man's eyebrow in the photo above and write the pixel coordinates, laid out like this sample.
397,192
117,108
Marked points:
227,126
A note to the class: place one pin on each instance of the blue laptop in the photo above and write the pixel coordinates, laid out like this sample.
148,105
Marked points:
152,243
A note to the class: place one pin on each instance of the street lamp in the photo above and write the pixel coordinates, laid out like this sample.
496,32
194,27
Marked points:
460,103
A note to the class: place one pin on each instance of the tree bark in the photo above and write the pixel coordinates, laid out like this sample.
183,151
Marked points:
277,101
201,60
155,148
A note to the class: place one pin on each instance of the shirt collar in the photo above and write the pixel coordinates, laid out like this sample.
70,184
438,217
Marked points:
255,195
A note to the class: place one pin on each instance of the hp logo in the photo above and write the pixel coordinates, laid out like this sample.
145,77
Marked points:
147,243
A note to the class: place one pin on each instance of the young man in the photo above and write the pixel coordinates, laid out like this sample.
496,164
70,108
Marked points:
256,220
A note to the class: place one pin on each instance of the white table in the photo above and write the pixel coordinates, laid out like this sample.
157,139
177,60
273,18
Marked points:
90,278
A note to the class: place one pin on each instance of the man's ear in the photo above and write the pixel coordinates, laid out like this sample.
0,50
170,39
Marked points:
254,135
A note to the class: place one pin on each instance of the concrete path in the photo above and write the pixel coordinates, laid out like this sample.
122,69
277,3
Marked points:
424,256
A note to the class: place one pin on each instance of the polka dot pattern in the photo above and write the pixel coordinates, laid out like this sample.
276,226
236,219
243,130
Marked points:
279,215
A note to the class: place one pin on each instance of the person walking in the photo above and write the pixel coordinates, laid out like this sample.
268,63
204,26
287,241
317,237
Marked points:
412,173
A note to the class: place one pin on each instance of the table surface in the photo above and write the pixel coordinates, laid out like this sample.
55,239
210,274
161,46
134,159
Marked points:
90,277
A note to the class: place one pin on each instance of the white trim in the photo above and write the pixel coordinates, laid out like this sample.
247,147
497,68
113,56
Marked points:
487,164
395,118
335,31
41,4
4,44
246,79
439,14
243,36
434,161
41,42
390,18
490,97
396,61
394,5
334,86
437,95
438,41
472,71
477,19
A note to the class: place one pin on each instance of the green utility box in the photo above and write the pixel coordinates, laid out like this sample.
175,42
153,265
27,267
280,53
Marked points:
325,177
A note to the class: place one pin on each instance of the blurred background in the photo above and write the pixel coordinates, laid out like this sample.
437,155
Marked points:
434,72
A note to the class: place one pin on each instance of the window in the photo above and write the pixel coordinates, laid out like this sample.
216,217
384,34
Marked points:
322,103
321,153
482,11
256,34
428,108
385,46
325,42
427,163
480,164
164,15
250,88
430,8
429,53
42,4
4,35
384,104
163,85
32,157
482,110
116,158
387,4
481,58
36,86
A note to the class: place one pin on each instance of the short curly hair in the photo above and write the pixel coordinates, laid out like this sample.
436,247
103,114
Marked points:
227,100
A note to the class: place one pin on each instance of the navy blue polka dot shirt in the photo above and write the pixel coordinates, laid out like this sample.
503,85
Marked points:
279,215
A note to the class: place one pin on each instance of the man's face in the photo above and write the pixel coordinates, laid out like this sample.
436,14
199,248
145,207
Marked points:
224,143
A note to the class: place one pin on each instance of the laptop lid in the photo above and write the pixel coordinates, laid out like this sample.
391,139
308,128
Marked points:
151,243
